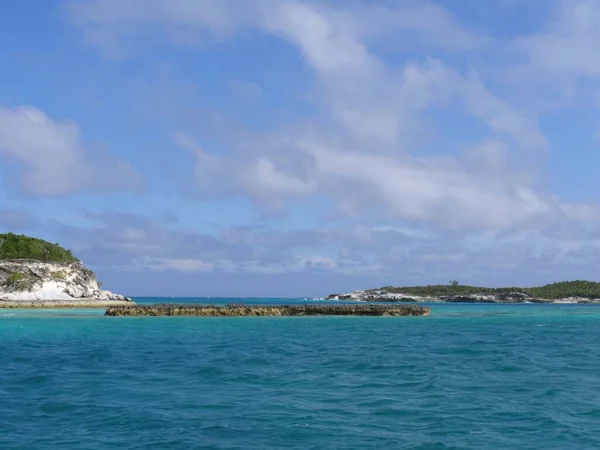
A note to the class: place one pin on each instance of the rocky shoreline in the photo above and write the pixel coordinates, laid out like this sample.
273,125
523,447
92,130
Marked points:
40,284
51,304
257,310
382,296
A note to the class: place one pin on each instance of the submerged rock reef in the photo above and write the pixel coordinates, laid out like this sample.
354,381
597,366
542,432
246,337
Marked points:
257,310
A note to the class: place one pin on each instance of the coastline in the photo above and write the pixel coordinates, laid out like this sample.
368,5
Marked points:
67,304
35,284
576,292
462,299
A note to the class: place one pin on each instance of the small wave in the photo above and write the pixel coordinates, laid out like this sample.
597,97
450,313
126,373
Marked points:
353,381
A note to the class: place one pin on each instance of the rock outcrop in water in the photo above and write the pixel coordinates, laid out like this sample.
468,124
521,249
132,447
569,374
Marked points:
39,274
30,284
257,310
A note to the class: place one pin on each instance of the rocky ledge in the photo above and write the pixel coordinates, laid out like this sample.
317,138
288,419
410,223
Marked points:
384,296
38,284
52,304
280,310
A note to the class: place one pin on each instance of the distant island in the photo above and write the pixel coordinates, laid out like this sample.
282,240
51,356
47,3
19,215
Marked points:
37,274
579,291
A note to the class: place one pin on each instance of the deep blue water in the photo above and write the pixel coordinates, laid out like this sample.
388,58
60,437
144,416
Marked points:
467,377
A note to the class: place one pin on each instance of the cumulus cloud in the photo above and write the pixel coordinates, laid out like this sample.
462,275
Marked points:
110,24
52,158
106,22
567,48
557,66
372,148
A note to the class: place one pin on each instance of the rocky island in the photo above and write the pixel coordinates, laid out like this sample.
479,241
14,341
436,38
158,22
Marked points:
38,274
271,310
564,292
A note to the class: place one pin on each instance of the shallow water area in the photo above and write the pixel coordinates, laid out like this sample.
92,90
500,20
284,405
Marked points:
469,376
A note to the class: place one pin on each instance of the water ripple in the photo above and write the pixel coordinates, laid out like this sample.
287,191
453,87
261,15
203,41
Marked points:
468,377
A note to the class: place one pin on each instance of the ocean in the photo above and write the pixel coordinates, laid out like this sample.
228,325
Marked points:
470,376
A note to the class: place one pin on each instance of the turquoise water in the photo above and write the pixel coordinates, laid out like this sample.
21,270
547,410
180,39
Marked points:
467,377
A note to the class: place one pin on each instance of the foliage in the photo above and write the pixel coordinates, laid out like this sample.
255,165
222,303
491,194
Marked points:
14,278
17,281
579,288
454,283
13,246
59,275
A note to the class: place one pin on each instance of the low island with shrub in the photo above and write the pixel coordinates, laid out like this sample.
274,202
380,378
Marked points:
578,291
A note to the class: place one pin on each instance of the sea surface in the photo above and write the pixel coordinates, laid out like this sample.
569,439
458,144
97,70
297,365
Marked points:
470,376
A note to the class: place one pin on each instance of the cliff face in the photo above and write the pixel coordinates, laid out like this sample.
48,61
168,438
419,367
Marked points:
31,281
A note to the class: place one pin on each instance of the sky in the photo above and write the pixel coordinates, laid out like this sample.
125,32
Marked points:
304,147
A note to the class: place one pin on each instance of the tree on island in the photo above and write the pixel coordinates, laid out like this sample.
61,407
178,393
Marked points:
14,246
563,289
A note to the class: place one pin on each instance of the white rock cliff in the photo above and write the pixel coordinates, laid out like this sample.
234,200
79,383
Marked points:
23,281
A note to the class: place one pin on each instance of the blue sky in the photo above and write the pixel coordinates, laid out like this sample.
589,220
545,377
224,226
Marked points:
302,147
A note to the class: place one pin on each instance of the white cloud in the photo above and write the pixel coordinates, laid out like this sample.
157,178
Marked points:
455,192
502,118
53,158
110,24
365,155
429,24
567,48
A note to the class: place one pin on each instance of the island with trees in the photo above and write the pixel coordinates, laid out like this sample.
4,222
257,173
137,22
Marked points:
579,291
37,274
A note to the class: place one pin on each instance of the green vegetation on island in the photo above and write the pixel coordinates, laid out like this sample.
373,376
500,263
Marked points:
565,289
18,282
14,246
38,274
